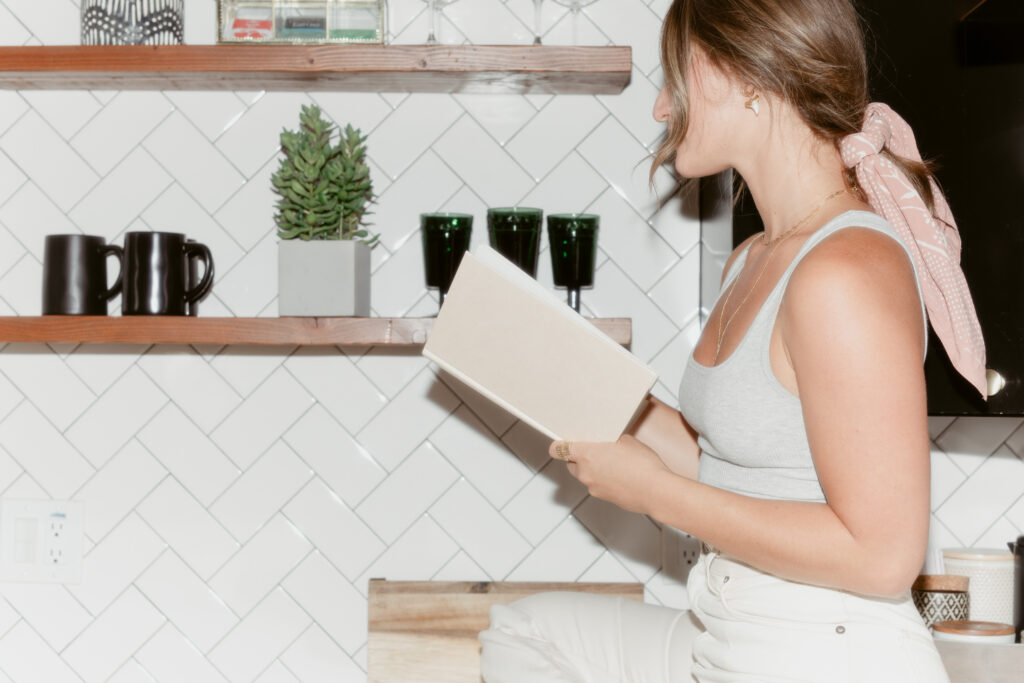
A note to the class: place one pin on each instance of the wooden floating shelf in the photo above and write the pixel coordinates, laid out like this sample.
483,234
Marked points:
398,332
377,68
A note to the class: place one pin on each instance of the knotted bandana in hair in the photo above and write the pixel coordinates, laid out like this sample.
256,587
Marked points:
933,240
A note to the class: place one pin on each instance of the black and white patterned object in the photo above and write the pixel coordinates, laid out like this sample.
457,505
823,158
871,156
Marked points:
133,22
942,605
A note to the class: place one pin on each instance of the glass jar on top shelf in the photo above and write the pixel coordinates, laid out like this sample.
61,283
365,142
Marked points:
302,21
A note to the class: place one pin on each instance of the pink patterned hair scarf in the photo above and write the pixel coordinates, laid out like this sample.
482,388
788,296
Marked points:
933,239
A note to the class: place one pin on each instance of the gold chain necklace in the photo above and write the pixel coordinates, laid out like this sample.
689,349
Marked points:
773,244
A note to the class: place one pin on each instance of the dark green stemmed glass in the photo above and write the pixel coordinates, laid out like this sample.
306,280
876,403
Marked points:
445,240
573,241
515,233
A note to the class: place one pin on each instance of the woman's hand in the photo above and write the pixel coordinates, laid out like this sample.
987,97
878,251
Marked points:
621,472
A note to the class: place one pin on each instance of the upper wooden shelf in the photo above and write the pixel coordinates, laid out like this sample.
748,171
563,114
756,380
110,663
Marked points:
378,68
156,329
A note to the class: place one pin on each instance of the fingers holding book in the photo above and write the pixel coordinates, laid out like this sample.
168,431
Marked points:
561,450
623,472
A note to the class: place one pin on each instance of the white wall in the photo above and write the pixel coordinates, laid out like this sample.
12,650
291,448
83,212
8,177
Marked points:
237,500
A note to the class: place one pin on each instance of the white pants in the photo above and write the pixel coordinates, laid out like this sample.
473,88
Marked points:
756,627
759,627
585,638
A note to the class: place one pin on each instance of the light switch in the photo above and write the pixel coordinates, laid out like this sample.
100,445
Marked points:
26,530
41,541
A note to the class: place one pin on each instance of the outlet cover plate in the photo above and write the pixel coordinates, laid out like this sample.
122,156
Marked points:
41,541
679,552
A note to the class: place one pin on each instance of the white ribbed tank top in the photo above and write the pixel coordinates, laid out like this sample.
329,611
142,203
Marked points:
750,428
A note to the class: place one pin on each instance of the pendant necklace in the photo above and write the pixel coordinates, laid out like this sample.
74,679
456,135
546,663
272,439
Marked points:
772,245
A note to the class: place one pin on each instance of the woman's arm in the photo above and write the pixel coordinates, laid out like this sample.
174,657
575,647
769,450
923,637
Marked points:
853,333
663,429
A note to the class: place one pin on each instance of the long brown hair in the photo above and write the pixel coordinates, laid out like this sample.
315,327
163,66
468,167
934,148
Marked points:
809,53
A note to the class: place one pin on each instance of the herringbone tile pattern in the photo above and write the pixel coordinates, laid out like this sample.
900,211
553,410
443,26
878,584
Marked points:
238,500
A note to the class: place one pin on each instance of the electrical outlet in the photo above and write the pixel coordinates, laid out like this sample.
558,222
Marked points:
58,539
679,552
41,541
57,520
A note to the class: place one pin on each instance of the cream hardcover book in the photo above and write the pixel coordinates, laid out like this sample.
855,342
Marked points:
506,336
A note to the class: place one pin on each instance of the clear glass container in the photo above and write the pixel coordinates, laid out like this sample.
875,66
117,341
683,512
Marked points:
245,21
302,21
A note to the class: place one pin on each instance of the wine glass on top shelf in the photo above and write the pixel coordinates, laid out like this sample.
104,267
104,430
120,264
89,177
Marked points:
575,6
436,10
537,21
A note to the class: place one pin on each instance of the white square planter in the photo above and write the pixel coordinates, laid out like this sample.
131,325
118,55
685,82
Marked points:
323,278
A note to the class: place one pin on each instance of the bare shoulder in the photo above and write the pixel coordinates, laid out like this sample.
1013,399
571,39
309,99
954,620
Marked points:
857,286
853,264
852,329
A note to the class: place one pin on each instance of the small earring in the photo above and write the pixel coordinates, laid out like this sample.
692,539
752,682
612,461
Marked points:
754,105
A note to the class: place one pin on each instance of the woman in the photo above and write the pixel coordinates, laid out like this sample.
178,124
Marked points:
800,456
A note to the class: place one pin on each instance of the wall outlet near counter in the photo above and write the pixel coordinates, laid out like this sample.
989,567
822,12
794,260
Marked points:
679,552
41,541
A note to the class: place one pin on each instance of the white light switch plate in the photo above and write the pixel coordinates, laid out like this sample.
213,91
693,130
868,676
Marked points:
41,541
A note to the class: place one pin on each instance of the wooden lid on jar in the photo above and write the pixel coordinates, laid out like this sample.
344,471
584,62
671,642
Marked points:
943,583
974,628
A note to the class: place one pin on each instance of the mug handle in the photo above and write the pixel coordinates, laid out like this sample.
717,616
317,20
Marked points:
204,286
117,251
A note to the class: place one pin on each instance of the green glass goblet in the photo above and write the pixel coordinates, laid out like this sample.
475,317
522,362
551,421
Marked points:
573,241
445,240
515,233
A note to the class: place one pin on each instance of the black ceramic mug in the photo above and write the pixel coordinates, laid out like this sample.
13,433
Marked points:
75,274
156,273
194,262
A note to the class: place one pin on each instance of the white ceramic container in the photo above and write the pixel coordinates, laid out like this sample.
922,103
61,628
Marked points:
991,581
323,278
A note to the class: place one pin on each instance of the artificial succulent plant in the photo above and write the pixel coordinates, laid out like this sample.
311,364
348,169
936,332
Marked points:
325,188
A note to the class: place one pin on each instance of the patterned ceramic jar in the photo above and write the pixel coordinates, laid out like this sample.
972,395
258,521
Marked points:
941,597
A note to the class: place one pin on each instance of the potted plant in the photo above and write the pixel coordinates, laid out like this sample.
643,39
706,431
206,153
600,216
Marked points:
324,194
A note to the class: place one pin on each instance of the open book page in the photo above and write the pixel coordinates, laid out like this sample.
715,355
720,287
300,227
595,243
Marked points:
509,338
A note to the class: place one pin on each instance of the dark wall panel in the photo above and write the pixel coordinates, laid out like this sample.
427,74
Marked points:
965,101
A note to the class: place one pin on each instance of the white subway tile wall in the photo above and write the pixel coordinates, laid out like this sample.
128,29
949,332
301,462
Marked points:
238,500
